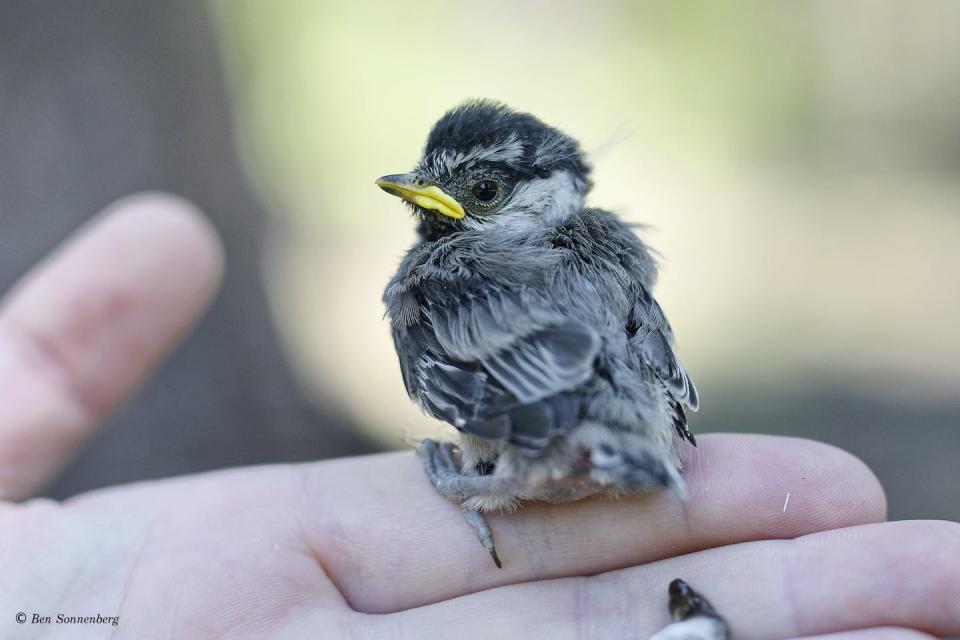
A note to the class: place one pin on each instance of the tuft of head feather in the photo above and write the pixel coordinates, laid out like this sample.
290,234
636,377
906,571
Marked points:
488,131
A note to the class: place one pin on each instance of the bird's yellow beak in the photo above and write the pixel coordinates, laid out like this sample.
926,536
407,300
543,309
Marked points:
429,196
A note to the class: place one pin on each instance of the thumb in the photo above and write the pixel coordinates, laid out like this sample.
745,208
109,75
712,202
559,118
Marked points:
82,330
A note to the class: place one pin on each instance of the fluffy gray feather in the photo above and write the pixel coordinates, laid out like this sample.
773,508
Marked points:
521,337
526,320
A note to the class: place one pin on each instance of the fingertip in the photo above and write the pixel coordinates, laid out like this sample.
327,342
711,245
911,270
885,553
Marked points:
163,219
902,573
83,329
786,486
864,487
929,560
851,493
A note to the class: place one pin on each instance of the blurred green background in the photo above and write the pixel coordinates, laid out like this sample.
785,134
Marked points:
797,163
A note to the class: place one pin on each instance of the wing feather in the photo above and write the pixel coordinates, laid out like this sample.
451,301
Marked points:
490,370
652,341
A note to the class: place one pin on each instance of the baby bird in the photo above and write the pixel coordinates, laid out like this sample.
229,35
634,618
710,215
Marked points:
526,320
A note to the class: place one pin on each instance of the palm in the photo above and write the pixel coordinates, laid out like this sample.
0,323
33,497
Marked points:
312,550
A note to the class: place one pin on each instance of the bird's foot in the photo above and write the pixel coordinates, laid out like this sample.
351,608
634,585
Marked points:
441,464
482,528
695,618
443,470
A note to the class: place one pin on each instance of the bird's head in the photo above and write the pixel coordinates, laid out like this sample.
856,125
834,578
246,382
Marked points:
485,164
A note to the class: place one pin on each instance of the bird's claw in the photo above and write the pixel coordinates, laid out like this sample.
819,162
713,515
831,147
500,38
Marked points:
443,470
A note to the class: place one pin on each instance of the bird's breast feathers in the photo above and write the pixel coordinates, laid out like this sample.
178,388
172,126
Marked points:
590,259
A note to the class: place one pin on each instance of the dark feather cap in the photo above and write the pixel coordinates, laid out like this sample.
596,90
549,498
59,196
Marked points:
485,124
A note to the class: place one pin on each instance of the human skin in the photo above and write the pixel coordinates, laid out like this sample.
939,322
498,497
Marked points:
364,547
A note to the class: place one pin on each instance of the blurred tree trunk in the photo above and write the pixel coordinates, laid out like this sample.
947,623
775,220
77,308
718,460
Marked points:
102,98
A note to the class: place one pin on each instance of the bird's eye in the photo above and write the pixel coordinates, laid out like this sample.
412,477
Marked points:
485,190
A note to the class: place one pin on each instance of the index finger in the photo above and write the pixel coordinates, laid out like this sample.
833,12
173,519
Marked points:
390,542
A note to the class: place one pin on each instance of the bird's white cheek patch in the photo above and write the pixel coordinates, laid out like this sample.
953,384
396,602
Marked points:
552,199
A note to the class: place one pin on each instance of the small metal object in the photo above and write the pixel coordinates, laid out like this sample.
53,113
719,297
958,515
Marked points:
694,617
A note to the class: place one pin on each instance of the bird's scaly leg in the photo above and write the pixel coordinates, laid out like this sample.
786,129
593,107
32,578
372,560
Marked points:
443,471
484,534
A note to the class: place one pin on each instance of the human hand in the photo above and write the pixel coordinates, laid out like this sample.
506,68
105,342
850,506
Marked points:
364,547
